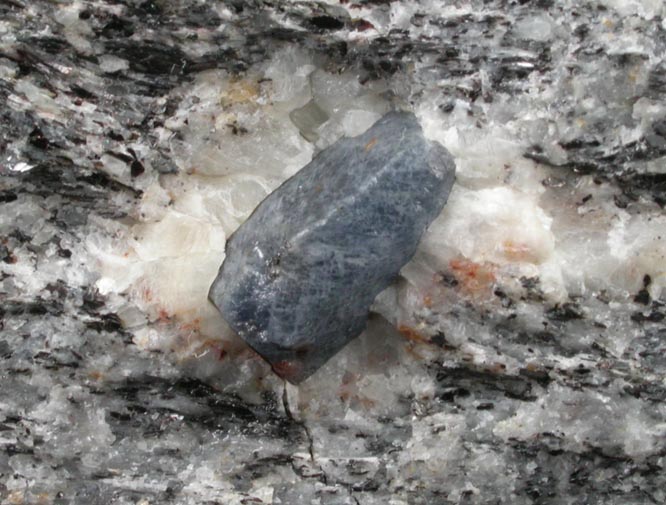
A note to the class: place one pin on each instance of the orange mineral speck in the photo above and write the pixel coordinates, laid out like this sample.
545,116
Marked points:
367,403
371,143
427,301
95,375
411,334
414,338
532,367
475,278
517,251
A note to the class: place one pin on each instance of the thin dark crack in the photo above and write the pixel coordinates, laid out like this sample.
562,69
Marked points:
290,415
308,433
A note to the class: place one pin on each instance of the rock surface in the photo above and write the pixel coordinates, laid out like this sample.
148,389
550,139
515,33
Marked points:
301,273
520,357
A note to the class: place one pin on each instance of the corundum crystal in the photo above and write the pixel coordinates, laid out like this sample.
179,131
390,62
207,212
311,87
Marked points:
300,274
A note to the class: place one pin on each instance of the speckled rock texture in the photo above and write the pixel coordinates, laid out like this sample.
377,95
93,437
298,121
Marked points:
300,274
520,357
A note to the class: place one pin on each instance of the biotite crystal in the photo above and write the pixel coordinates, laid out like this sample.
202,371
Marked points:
301,273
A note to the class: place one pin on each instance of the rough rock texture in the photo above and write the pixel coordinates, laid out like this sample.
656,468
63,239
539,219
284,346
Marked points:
520,358
301,273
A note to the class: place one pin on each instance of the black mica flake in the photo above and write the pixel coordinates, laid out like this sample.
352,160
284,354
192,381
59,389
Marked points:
83,93
106,323
565,312
50,45
150,401
136,168
58,358
456,383
5,255
149,57
8,196
117,27
38,139
652,184
38,307
439,340
326,23
5,349
259,468
150,7
642,297
653,316
589,155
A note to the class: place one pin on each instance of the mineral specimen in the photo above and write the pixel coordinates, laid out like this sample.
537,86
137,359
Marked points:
300,274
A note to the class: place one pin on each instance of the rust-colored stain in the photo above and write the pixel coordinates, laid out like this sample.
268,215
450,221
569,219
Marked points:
517,251
349,378
532,367
349,392
362,25
366,402
476,278
371,143
242,90
427,301
414,338
288,369
96,375
194,325
411,334
147,294
348,389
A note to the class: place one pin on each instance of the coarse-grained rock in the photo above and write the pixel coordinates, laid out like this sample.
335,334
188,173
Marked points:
300,274
521,356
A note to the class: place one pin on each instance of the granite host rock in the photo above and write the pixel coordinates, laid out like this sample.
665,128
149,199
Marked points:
301,272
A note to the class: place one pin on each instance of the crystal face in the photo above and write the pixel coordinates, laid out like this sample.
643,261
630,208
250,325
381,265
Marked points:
300,274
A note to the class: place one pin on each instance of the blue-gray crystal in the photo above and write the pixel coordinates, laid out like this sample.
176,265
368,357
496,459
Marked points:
301,273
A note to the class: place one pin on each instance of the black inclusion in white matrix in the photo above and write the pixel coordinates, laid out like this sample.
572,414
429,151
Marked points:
300,274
